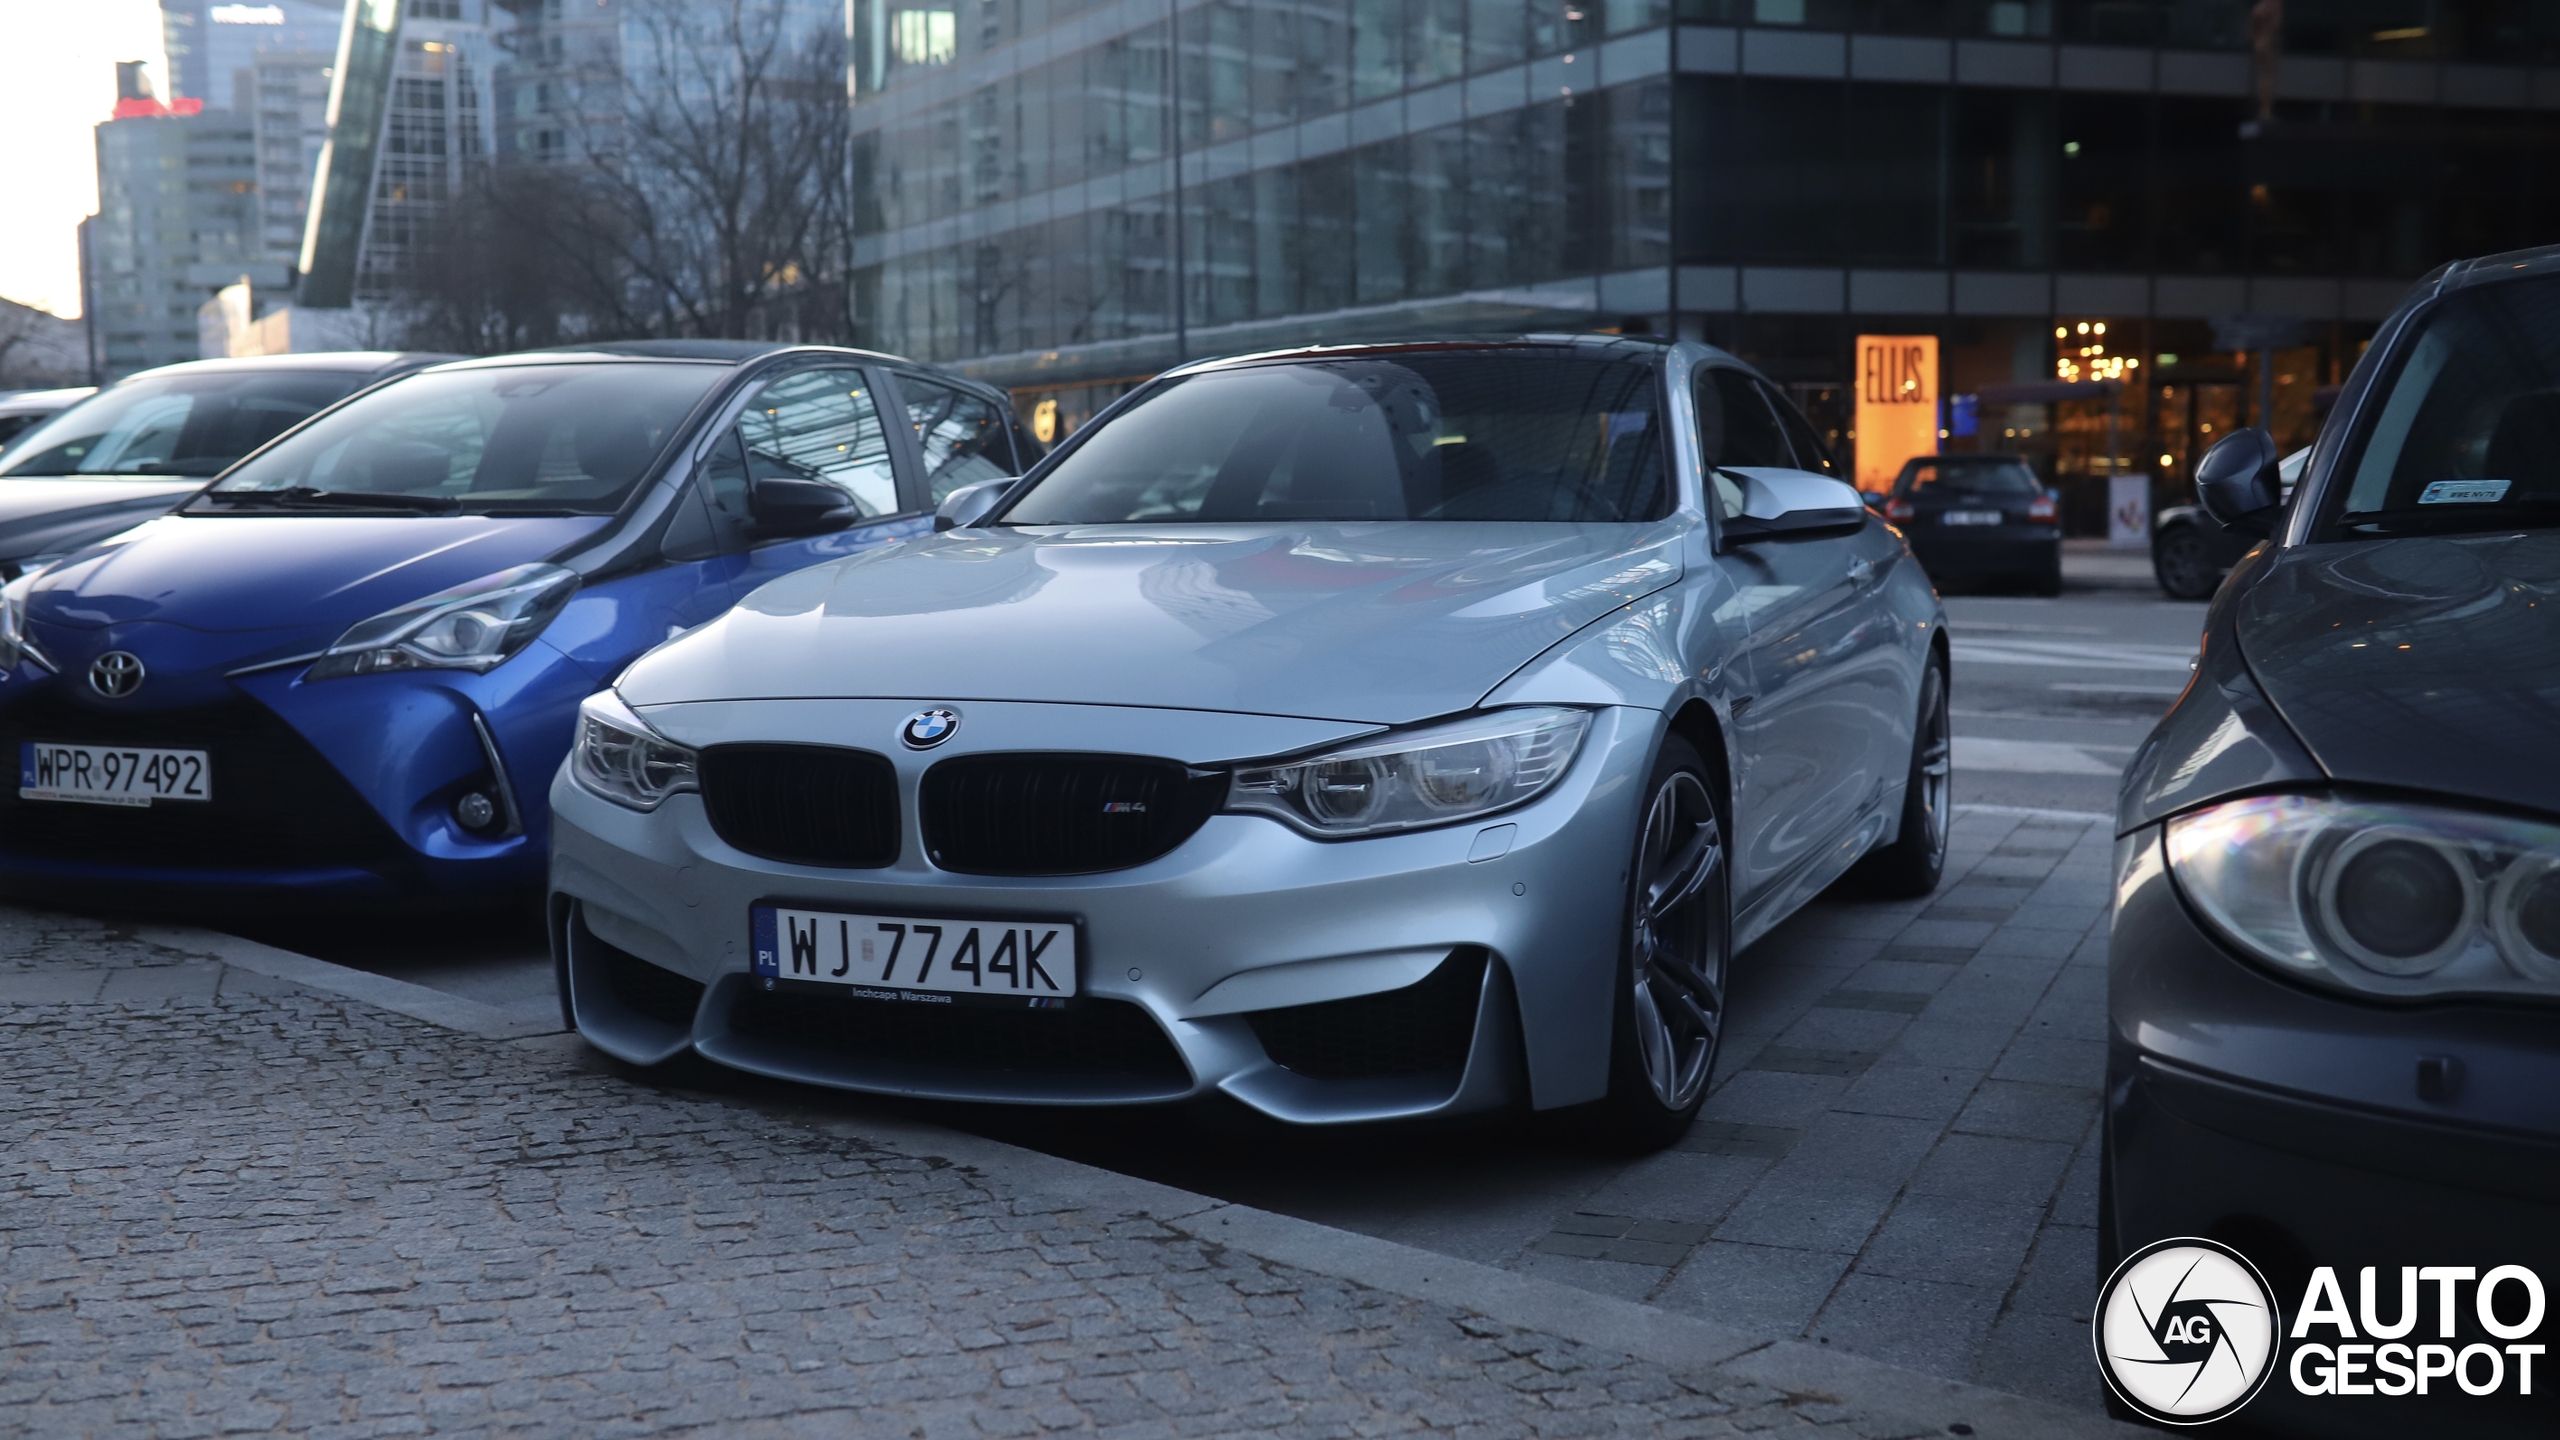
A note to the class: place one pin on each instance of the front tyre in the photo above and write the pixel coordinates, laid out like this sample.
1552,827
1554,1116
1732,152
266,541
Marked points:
1672,963
2180,562
1910,866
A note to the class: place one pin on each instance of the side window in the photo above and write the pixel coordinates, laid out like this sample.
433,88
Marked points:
1735,425
713,518
962,436
822,425
1800,437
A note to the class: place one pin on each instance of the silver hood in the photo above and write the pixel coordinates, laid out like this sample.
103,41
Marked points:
1379,622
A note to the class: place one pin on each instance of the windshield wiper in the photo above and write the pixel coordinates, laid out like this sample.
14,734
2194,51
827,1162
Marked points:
293,495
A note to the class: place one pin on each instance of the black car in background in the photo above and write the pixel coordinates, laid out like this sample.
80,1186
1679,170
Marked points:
2191,552
152,439
23,410
1979,517
2334,976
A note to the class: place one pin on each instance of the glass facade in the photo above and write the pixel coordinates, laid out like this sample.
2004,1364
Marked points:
1774,175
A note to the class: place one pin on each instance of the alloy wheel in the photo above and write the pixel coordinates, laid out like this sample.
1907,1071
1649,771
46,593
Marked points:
1677,970
1936,759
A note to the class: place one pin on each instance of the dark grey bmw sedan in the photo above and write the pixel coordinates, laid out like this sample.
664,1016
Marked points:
2334,981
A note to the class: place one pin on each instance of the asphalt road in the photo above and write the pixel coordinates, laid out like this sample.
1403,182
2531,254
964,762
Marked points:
1945,1226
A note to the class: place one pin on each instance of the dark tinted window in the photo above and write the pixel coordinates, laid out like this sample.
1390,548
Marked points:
535,437
1969,477
188,424
962,435
2466,436
1800,437
1468,435
1734,423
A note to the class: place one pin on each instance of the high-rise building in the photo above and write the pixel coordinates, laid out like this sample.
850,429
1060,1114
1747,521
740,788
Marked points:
409,90
177,217
213,45
287,101
1051,204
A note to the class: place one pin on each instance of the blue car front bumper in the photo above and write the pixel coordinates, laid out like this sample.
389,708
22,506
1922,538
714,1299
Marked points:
344,789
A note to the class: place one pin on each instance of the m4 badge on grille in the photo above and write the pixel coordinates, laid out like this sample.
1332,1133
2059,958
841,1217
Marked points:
1124,807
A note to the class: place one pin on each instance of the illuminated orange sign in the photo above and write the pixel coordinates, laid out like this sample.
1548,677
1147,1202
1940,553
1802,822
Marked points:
1897,405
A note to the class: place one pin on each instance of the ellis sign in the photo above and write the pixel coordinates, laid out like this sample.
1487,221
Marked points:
1897,405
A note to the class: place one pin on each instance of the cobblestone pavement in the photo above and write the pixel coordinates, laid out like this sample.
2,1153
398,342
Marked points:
231,1206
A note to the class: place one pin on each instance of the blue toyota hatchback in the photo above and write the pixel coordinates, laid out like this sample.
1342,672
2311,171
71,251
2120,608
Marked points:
348,668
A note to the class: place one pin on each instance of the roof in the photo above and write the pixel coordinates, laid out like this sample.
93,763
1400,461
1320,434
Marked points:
329,361
1640,347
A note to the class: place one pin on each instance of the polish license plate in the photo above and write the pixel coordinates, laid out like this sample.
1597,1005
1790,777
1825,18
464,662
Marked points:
112,775
930,958
1970,517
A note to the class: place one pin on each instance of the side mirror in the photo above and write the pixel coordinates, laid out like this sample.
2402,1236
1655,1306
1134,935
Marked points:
782,506
969,504
1782,503
2238,485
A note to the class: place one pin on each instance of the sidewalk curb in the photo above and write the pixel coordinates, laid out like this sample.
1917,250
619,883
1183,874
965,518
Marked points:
450,1012
1680,1342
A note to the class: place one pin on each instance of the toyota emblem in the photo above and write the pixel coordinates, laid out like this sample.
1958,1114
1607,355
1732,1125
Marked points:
928,728
116,674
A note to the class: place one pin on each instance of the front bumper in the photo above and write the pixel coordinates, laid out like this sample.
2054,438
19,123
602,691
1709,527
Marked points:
337,792
1244,920
2292,1125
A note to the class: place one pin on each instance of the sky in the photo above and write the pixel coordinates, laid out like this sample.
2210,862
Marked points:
57,80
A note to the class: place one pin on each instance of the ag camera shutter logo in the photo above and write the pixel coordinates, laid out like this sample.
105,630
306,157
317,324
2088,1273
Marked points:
2186,1331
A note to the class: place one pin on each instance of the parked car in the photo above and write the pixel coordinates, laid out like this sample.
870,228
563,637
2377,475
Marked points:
22,409
1980,517
132,450
1356,732
2191,552
2336,944
348,668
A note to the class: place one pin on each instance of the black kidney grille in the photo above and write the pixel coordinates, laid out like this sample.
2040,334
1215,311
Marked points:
804,804
1060,814
1425,1028
276,803
1110,1039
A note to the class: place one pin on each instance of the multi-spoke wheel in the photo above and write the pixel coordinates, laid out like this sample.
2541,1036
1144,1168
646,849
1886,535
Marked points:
1910,866
1671,977
2179,561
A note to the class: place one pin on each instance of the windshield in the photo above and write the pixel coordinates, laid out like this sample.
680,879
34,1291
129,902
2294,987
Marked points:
1464,435
2467,435
2001,477
186,424
555,439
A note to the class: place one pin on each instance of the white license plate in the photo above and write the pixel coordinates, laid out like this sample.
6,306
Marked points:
108,775
1970,517
917,957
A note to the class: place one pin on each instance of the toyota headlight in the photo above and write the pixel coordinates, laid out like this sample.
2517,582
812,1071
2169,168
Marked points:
15,643
469,627
1417,778
619,757
2376,897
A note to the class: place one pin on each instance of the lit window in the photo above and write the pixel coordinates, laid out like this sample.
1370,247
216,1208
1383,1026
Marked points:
927,37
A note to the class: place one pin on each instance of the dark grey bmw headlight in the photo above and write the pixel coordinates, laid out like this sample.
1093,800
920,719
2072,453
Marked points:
2379,897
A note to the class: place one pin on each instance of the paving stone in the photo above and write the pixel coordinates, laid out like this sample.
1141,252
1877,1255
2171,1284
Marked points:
1923,1092
2030,1111
1929,1325
2060,1277
2047,1356
1950,1239
1808,1060
1992,1167
1757,1287
1889,1001
1724,1137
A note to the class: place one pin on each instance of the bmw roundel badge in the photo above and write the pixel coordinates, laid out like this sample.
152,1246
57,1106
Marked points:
928,728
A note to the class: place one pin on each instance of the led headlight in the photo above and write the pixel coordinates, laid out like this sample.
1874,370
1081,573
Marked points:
469,627
2378,897
619,757
1416,778
15,643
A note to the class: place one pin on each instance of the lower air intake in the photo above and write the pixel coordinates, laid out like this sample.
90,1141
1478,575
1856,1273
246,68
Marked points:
1426,1028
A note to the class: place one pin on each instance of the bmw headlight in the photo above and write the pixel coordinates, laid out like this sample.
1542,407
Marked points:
1416,778
15,643
469,627
619,757
2378,897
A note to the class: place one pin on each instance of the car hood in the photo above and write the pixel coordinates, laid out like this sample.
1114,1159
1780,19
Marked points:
2425,662
46,514
279,572
1380,622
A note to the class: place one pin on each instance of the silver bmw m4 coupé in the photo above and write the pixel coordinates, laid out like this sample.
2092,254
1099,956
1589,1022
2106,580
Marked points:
1360,732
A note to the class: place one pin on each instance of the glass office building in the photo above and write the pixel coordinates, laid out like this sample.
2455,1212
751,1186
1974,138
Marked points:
1054,206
